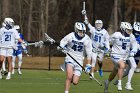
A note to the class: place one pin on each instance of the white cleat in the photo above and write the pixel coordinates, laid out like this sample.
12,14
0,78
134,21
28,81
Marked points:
91,77
128,87
106,84
8,77
119,87
19,72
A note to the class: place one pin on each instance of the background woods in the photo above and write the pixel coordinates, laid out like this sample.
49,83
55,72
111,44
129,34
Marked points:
57,17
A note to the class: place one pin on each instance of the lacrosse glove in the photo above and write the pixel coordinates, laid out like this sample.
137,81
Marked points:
87,68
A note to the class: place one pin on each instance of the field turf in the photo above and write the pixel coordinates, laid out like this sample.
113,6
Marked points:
44,81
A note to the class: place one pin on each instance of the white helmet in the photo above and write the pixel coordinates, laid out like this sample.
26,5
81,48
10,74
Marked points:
126,27
80,29
8,22
136,26
98,24
16,27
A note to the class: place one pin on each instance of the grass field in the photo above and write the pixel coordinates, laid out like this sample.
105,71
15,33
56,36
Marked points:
43,81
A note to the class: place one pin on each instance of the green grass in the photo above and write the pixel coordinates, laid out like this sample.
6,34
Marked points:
43,81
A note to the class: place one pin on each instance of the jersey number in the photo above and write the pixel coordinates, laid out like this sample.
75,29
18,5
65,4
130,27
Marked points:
77,48
97,38
7,37
124,46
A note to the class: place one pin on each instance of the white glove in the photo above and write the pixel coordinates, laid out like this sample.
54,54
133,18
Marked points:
132,53
83,12
87,68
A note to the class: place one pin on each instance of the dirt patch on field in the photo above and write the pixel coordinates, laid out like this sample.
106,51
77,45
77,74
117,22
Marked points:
54,63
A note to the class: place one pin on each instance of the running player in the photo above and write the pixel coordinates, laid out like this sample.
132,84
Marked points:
100,42
75,44
121,43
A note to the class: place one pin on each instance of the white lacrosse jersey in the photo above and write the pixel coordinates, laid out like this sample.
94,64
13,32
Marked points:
121,45
8,37
99,38
76,48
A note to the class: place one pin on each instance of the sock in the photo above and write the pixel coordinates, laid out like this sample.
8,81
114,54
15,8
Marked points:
66,91
92,74
119,82
9,74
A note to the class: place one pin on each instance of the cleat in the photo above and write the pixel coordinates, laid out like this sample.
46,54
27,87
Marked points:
100,72
128,87
91,77
5,73
116,82
8,77
106,84
19,72
119,87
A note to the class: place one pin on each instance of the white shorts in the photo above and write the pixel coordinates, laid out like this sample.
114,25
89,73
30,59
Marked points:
6,52
76,68
96,56
116,59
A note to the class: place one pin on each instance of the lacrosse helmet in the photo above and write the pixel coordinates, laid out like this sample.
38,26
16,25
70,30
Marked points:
8,22
80,30
126,28
136,26
98,24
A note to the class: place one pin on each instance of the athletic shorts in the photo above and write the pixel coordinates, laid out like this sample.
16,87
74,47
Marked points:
96,56
76,68
6,51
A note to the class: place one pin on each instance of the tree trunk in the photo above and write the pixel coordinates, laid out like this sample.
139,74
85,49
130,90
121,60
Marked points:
30,20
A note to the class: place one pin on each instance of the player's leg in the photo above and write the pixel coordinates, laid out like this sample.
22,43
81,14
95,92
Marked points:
19,63
4,72
131,72
2,58
9,59
93,57
111,77
100,64
69,76
120,73
13,63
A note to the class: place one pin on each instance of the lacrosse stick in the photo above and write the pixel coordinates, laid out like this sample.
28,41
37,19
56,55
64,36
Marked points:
52,41
36,44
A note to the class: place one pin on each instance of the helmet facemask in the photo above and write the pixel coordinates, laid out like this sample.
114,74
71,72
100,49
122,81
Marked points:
80,30
126,28
98,24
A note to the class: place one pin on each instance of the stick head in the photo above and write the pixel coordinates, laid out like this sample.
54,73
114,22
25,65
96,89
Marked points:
49,39
40,44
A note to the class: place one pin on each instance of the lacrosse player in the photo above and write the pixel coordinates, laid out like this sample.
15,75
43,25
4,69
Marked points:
121,43
8,35
132,61
136,33
18,53
75,43
100,42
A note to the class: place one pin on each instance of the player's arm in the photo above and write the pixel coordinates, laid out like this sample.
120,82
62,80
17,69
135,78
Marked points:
107,45
88,49
86,21
134,46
